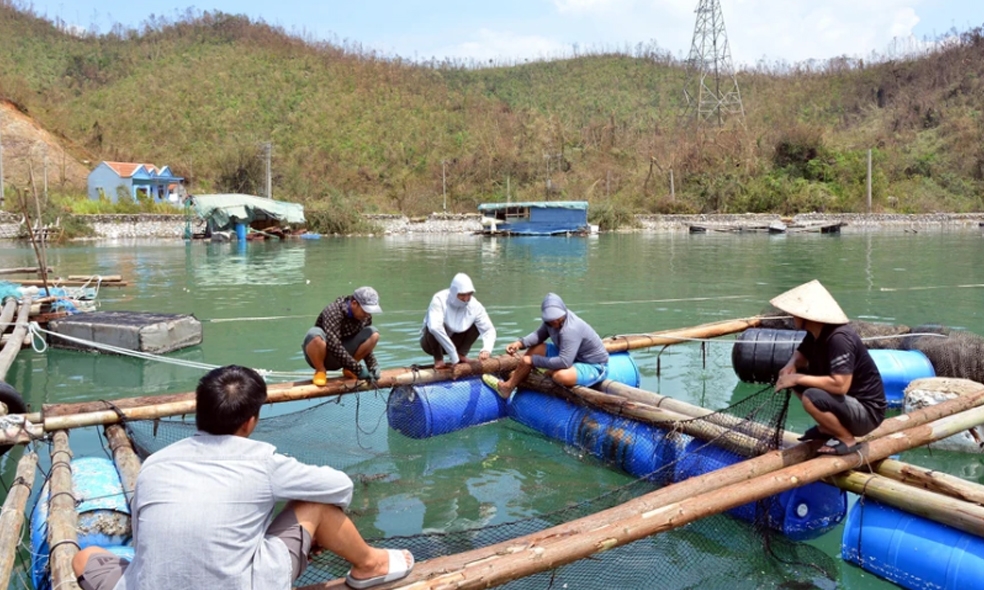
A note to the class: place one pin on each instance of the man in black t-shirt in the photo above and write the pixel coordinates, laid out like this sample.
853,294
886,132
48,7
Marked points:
831,372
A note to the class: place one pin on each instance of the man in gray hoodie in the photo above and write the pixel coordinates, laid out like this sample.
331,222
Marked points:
575,356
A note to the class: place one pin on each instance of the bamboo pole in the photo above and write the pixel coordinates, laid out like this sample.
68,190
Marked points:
71,283
620,390
913,475
62,517
127,461
102,278
13,346
12,516
960,515
23,270
391,378
661,417
933,481
653,513
7,313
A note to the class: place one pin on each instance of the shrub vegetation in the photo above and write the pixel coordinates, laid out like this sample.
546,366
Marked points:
353,131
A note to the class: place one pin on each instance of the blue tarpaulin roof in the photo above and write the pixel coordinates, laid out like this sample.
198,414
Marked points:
544,204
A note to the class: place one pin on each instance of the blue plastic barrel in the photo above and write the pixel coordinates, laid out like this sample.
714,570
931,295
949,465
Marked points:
622,368
801,513
642,450
909,550
241,232
548,414
104,516
429,409
898,368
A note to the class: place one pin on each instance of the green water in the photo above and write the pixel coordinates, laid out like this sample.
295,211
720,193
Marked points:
256,302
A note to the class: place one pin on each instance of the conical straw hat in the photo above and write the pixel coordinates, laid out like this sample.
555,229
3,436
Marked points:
811,301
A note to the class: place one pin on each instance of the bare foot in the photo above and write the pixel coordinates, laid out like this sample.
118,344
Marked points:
504,389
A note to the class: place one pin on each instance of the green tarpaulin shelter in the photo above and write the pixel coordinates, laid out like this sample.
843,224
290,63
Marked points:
226,210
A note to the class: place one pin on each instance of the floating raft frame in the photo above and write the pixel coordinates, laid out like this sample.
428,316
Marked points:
155,333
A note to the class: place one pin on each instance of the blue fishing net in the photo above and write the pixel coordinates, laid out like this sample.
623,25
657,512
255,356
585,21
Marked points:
8,289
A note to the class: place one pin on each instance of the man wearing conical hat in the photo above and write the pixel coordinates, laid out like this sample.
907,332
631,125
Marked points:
831,372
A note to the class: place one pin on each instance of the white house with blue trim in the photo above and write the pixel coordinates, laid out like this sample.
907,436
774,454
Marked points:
147,180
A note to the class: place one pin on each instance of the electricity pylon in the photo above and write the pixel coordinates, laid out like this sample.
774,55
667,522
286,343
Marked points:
711,89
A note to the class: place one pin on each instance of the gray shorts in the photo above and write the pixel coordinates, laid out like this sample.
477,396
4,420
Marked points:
298,541
104,570
351,345
851,413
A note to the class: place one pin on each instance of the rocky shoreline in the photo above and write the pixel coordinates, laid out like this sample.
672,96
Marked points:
173,226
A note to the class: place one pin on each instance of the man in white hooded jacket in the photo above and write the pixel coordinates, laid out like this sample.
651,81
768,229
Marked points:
454,321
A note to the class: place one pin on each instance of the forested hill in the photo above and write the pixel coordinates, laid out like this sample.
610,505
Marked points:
204,93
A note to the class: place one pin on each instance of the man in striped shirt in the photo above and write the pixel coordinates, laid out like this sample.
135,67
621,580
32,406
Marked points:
343,336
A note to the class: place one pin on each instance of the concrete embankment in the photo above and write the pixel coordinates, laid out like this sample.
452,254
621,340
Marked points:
173,226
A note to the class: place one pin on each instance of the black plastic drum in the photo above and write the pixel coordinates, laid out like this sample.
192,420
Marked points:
759,353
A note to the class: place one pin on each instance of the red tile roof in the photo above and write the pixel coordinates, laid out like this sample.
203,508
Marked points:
128,169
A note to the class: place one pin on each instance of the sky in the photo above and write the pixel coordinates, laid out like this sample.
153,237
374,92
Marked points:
510,31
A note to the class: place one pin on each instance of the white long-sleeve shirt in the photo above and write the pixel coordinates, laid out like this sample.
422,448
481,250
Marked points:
447,315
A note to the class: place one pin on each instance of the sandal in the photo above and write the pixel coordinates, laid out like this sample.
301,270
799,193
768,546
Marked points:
838,448
813,433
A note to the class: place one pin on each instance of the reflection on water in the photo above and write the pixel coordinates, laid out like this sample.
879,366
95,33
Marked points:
270,293
226,264
539,254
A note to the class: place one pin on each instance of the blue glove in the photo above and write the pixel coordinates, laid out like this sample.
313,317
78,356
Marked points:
364,373
376,374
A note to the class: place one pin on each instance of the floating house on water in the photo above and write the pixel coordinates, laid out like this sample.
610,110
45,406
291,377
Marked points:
112,180
228,212
537,218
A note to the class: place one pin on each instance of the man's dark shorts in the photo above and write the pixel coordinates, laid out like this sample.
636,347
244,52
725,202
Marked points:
351,345
462,341
103,570
849,411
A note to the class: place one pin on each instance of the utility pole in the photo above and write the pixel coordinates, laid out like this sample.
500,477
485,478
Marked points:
444,184
868,181
268,148
711,89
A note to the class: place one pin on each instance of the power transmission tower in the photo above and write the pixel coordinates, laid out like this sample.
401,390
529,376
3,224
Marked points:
712,88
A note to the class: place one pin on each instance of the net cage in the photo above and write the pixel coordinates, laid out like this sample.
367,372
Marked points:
490,483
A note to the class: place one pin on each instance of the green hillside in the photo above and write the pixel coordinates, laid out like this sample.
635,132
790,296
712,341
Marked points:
357,130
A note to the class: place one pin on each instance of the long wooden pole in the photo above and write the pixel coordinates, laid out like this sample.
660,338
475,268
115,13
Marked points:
13,346
960,515
126,459
7,313
62,517
59,416
653,513
649,413
934,481
12,516
23,270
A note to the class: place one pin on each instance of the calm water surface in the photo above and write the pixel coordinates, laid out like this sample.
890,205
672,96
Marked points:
257,301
